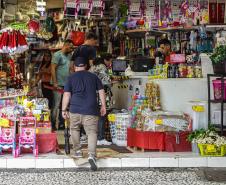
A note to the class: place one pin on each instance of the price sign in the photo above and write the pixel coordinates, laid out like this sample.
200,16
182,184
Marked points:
211,148
159,122
198,108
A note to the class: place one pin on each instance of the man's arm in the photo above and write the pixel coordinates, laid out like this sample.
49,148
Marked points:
53,73
65,103
103,102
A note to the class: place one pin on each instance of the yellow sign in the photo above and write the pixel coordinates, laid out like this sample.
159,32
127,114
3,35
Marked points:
198,108
211,148
158,122
111,118
4,122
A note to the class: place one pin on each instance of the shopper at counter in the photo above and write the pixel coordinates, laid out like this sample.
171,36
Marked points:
60,67
100,68
80,93
164,50
87,50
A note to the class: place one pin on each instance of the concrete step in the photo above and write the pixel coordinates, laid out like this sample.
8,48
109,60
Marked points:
147,160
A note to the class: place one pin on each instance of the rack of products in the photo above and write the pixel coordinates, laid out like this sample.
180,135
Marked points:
219,98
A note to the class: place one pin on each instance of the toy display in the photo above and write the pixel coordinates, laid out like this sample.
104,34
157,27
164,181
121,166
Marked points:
36,120
8,137
27,135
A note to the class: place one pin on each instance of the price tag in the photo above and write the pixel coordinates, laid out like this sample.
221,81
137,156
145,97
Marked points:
211,148
159,122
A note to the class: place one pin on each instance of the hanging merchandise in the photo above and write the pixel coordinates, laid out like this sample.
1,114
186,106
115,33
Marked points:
166,13
86,6
136,9
99,5
34,26
213,11
76,35
150,14
50,25
71,8
221,11
13,42
12,68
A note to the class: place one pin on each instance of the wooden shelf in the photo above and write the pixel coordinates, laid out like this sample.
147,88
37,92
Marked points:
51,49
137,33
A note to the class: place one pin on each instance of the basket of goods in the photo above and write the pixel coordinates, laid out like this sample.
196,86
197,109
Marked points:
209,142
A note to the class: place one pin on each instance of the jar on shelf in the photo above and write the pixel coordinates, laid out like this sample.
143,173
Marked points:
191,73
198,71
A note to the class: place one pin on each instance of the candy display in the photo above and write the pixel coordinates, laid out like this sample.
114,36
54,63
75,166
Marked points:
159,71
151,101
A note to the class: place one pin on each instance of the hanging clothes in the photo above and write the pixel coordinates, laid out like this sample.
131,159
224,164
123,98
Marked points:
13,42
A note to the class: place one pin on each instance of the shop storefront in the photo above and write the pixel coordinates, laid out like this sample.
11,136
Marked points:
160,95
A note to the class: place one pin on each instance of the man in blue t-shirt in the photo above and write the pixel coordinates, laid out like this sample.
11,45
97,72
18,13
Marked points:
80,92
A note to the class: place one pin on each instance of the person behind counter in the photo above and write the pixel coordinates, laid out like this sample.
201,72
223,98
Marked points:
163,52
87,50
44,76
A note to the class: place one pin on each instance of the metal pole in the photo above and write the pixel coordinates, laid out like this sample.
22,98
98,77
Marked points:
222,105
209,108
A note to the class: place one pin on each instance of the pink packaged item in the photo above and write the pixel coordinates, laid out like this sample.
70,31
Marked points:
177,58
217,86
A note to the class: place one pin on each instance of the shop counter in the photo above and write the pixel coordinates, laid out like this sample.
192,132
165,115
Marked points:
146,140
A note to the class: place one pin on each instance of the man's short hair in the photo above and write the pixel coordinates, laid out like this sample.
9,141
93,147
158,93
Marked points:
165,42
91,35
68,41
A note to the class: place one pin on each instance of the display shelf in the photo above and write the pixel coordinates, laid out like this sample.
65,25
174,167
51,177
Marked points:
137,33
217,101
222,101
11,97
218,126
51,49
